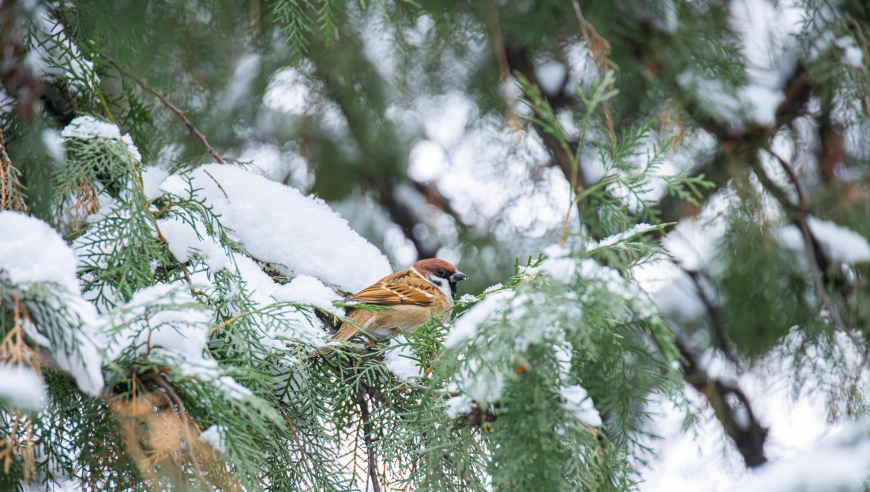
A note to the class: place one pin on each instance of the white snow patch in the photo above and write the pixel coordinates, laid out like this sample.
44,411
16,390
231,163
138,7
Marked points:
402,361
636,230
458,405
465,328
841,243
152,176
561,269
32,252
88,127
22,387
263,292
214,436
306,289
277,224
54,144
577,401
466,298
184,240
839,463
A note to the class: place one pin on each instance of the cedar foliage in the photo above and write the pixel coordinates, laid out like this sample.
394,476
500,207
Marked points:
188,82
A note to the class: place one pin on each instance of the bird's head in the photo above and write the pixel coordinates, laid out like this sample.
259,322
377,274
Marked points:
441,273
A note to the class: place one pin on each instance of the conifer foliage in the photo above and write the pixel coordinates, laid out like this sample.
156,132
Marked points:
161,289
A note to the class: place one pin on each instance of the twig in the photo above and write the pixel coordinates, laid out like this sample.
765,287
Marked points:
181,114
802,201
367,437
715,317
597,45
182,412
809,245
218,184
503,67
817,277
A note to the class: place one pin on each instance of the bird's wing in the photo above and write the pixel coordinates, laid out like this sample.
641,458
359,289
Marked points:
405,287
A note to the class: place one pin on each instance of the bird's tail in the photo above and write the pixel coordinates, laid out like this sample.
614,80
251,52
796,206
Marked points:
344,333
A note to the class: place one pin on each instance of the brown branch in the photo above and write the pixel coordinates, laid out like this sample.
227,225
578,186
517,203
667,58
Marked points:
503,67
178,112
218,184
367,438
748,434
715,315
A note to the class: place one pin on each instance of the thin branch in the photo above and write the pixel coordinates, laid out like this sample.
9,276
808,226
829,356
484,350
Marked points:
802,201
809,245
178,112
503,67
218,184
367,437
817,276
715,315
744,429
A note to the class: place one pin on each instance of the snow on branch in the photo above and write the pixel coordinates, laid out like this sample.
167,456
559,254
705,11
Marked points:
276,224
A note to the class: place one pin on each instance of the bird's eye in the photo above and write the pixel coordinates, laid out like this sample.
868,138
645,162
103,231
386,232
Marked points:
442,273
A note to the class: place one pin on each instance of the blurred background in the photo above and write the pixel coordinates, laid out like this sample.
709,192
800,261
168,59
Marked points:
406,117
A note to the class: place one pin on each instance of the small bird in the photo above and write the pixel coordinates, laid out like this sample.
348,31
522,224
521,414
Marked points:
415,295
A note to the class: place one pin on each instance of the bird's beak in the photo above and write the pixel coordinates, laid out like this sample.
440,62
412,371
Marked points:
457,276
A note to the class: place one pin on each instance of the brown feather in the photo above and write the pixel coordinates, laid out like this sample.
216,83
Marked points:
413,301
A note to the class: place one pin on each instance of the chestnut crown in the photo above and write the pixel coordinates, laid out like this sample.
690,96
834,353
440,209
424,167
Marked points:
438,268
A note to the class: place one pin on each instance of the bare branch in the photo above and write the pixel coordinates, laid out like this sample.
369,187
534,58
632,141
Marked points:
178,112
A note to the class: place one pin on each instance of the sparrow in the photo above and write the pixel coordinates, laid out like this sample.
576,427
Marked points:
415,295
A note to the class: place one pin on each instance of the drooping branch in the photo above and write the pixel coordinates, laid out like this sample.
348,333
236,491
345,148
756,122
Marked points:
731,407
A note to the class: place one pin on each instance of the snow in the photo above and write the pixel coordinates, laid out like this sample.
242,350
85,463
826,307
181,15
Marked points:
277,224
214,437
306,289
262,291
466,298
159,320
637,229
481,382
427,161
458,405
838,463
577,401
165,323
88,127
560,269
402,361
32,252
184,240
22,387
551,76
465,327
852,54
152,176
841,243
54,145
